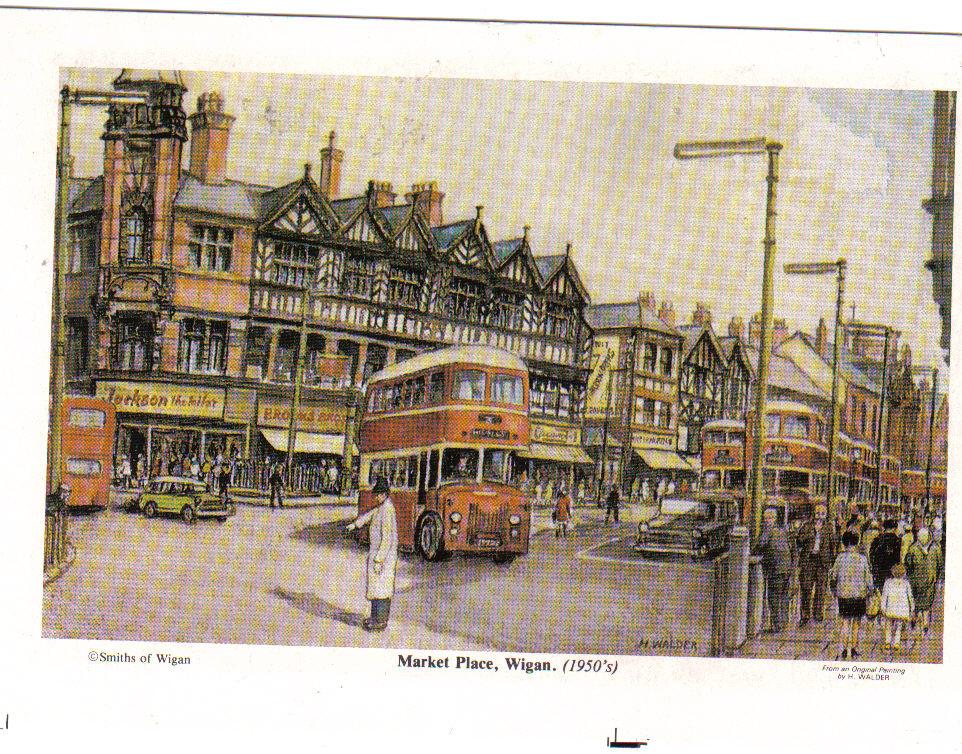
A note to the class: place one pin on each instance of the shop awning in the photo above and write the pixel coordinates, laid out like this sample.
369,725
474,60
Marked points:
560,453
663,459
306,442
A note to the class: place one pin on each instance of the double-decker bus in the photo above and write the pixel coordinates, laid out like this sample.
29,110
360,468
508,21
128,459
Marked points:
795,458
87,441
447,430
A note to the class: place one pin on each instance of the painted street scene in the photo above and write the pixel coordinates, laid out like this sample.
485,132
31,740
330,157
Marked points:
626,369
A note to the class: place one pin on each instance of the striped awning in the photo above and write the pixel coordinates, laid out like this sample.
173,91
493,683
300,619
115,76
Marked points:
559,453
663,459
306,442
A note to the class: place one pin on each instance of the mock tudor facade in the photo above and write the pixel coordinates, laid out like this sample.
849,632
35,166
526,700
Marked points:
188,292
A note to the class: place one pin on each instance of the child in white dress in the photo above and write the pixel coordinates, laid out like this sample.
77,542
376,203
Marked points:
897,606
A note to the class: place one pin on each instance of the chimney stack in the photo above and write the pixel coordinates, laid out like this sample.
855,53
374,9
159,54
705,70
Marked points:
821,339
428,199
702,315
384,195
755,330
646,302
667,313
736,328
779,332
209,134
331,159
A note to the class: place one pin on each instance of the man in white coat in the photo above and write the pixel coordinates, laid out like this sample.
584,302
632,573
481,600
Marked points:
382,555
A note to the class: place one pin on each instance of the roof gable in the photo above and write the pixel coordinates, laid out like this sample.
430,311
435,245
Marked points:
297,208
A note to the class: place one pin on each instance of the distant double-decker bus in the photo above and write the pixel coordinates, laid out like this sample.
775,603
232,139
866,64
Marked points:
795,458
447,431
87,441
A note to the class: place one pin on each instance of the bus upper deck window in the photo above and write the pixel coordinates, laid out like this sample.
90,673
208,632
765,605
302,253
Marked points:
436,389
87,417
506,388
469,385
417,391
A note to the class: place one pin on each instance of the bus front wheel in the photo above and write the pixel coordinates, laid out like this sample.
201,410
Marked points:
429,537
503,558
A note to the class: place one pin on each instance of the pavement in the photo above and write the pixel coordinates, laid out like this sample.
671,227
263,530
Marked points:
819,641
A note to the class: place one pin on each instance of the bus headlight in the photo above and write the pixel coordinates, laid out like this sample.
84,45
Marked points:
514,534
455,517
454,531
514,519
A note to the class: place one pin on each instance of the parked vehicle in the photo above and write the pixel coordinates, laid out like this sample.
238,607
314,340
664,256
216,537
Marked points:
698,526
188,498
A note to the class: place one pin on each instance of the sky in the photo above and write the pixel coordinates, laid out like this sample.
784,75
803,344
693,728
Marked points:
591,163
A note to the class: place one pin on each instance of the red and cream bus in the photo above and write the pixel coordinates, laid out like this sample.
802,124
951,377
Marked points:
447,430
795,458
87,450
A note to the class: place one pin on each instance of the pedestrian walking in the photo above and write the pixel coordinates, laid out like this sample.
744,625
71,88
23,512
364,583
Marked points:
923,564
645,491
817,544
332,478
898,606
851,582
885,552
224,480
776,553
613,501
660,490
562,513
381,557
277,484
125,471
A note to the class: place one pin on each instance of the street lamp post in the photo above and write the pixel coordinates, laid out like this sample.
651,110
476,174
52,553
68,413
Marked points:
68,97
702,149
823,268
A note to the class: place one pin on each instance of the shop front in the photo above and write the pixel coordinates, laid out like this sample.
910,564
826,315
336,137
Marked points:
653,460
557,460
171,429
322,450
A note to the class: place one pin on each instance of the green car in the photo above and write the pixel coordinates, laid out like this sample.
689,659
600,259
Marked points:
188,498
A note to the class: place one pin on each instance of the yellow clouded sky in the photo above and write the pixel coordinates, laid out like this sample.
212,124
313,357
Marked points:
592,164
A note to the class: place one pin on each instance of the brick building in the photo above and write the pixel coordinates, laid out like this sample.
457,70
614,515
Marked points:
190,294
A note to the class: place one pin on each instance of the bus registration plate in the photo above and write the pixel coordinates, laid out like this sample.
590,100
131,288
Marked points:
489,542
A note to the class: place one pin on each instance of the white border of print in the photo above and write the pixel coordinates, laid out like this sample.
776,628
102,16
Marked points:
274,697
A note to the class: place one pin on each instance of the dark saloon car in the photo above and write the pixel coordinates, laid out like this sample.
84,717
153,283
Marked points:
696,525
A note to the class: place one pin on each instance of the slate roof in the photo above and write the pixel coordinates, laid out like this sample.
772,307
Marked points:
232,198
395,215
783,373
549,265
445,235
504,249
345,209
608,316
857,370
86,194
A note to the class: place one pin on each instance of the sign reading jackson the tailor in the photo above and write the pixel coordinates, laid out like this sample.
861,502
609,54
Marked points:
604,361
311,417
162,398
641,439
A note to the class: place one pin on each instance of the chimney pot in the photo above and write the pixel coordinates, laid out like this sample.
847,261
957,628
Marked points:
209,137
330,178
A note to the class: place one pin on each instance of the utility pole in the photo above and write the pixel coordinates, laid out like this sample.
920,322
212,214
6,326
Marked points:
298,381
761,145
928,465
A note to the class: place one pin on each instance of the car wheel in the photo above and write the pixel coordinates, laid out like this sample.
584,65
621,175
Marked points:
150,509
188,514
429,538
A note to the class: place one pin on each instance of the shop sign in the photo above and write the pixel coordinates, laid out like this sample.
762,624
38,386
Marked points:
651,440
240,405
604,361
162,398
310,417
552,434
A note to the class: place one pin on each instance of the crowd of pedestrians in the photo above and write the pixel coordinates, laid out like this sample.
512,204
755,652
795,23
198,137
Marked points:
883,574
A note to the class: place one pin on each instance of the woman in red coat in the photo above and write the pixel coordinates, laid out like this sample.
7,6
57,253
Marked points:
562,513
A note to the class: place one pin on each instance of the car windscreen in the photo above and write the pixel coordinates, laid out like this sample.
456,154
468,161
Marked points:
678,506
